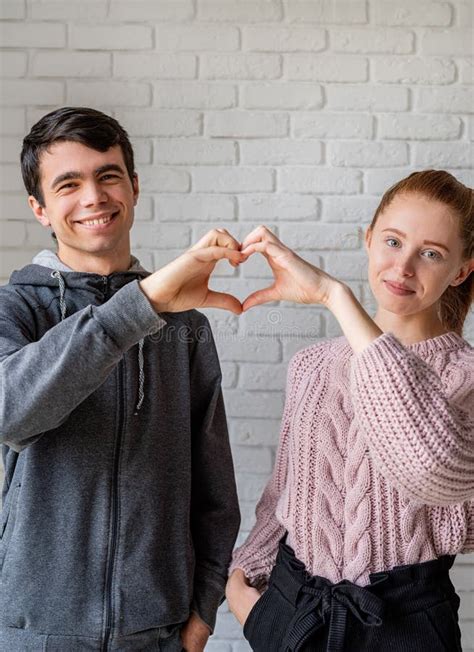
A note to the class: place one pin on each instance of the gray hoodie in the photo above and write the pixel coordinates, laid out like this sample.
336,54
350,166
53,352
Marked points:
119,507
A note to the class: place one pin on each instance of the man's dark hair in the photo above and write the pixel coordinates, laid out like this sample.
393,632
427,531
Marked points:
78,124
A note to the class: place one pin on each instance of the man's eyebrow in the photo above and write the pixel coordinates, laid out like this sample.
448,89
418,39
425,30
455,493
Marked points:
430,242
74,174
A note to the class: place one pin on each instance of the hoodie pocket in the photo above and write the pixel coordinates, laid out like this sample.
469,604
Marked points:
7,522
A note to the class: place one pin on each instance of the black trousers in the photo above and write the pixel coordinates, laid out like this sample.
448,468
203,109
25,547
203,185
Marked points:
411,608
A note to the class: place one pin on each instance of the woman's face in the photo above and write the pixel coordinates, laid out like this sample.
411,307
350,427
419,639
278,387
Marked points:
414,245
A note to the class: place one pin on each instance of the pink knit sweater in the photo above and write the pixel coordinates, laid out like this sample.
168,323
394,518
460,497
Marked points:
375,465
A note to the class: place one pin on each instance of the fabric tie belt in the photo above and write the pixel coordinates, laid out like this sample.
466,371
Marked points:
332,602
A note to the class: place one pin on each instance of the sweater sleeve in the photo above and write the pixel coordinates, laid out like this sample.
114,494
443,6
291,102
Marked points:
257,556
418,437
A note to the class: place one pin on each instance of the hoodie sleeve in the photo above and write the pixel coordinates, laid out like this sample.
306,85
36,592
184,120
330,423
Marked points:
42,381
421,440
215,515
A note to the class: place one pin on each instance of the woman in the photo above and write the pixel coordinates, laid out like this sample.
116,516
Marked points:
372,492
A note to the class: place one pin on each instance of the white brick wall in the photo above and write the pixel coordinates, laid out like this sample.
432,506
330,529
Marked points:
298,114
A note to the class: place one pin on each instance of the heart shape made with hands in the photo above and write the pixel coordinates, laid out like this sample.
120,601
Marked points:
294,279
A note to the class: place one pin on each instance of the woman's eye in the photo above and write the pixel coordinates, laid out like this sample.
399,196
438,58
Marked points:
435,256
391,240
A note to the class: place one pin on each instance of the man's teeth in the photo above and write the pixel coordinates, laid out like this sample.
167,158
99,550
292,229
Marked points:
102,220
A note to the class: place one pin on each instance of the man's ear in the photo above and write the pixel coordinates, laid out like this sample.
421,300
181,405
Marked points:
464,272
38,211
136,188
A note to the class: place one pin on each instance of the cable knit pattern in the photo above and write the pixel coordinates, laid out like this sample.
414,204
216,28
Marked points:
375,463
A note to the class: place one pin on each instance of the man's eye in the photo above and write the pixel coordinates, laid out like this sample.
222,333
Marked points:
67,185
106,177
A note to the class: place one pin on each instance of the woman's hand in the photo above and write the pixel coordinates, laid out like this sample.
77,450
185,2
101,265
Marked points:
240,595
295,278
183,283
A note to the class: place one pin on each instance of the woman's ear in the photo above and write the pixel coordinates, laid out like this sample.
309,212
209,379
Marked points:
367,238
464,272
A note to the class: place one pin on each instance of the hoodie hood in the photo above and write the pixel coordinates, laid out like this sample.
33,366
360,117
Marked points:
39,272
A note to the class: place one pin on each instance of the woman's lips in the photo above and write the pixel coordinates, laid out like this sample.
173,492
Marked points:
396,290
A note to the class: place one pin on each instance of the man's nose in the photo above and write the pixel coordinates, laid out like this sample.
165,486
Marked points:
93,193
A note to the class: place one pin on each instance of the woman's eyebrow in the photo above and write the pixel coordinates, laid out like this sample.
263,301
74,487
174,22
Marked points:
430,242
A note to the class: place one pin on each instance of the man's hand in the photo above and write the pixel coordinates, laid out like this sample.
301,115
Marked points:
194,634
183,283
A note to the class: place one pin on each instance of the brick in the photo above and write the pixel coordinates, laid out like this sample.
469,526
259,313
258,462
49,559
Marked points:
10,178
11,260
245,124
160,123
108,93
282,95
455,99
151,10
10,149
283,39
13,64
15,207
198,152
346,266
12,121
250,485
378,181
12,9
332,125
248,349
414,70
405,12
142,150
32,35
258,404
453,155
280,322
232,179
278,207
17,92
144,208
110,37
197,37
206,208
463,11
84,11
240,66
319,180
469,127
326,11
38,236
375,40
349,209
280,152
12,234
337,68
419,127
73,64
194,95
218,646
245,11
261,377
223,323
229,374
257,432
364,154
320,236
367,97
466,71
160,235
154,66
448,42
163,179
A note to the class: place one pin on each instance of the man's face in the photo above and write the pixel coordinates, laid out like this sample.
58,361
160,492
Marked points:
89,200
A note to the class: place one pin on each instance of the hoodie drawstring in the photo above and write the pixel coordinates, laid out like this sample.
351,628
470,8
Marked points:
62,291
141,362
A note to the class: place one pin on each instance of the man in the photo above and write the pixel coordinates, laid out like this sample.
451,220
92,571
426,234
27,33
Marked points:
119,504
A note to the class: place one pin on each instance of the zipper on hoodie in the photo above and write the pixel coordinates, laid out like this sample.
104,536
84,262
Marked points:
114,509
